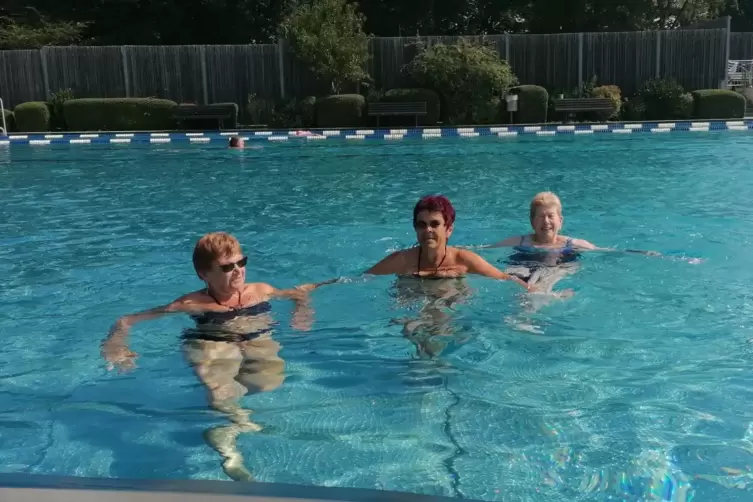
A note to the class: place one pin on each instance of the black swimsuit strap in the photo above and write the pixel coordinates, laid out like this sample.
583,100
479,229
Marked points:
418,270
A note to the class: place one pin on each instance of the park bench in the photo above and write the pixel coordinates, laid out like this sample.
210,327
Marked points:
206,112
381,109
571,106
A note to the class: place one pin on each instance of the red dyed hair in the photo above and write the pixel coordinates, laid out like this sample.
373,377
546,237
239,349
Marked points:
436,204
211,247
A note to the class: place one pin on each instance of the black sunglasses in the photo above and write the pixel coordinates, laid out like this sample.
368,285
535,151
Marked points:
228,267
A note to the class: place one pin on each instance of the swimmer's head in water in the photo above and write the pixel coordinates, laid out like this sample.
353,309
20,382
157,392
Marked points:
235,142
546,215
433,220
218,261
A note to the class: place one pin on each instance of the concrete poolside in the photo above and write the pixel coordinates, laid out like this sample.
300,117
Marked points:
33,488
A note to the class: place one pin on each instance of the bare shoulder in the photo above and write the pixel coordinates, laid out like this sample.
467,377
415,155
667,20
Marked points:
188,302
261,289
399,255
394,263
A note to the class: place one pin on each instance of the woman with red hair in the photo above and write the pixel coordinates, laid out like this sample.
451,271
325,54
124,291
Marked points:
231,348
433,221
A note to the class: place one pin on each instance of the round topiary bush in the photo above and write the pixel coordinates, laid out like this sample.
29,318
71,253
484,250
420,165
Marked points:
33,116
718,104
533,104
342,110
428,96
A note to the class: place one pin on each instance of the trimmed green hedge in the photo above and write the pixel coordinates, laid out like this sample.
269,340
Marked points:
10,121
342,110
533,104
430,97
718,104
119,114
33,116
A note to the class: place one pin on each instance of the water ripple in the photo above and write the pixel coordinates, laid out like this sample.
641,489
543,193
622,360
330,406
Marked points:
637,388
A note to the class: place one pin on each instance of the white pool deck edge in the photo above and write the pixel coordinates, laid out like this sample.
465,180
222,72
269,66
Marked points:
39,488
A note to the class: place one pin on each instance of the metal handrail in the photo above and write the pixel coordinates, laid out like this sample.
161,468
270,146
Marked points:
2,112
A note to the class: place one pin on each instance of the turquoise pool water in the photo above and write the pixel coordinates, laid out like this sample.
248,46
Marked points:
637,388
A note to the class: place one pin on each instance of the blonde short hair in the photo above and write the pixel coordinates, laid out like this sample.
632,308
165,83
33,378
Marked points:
211,247
544,199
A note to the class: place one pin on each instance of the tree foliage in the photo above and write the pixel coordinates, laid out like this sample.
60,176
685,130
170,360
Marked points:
471,78
14,35
328,36
257,21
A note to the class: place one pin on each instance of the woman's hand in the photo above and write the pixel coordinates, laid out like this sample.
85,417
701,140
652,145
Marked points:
118,355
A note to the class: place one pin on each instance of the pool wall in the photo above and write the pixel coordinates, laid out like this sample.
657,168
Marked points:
85,138
33,488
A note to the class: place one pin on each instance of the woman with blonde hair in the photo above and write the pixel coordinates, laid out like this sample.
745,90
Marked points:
544,257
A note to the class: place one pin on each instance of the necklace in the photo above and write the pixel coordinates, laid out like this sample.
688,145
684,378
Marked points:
436,270
220,303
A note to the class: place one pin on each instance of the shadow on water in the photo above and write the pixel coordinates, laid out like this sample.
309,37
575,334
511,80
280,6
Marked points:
127,435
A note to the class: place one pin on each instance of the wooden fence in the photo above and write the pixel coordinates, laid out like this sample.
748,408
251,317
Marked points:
219,73
741,46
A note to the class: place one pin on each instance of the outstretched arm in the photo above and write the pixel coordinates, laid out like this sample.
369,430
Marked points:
584,245
477,265
509,242
303,315
115,347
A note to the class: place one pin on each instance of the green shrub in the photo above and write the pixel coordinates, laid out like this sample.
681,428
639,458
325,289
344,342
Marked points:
33,116
292,113
685,108
533,104
342,110
295,113
119,114
614,94
10,121
428,96
469,77
633,110
664,99
718,104
55,103
259,111
307,111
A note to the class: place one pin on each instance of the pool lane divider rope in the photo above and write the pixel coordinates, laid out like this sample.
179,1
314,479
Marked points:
512,131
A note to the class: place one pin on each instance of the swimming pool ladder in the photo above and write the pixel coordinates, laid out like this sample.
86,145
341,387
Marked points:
4,130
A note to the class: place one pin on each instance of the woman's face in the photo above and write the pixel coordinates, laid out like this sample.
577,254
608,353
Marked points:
431,230
547,222
227,273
